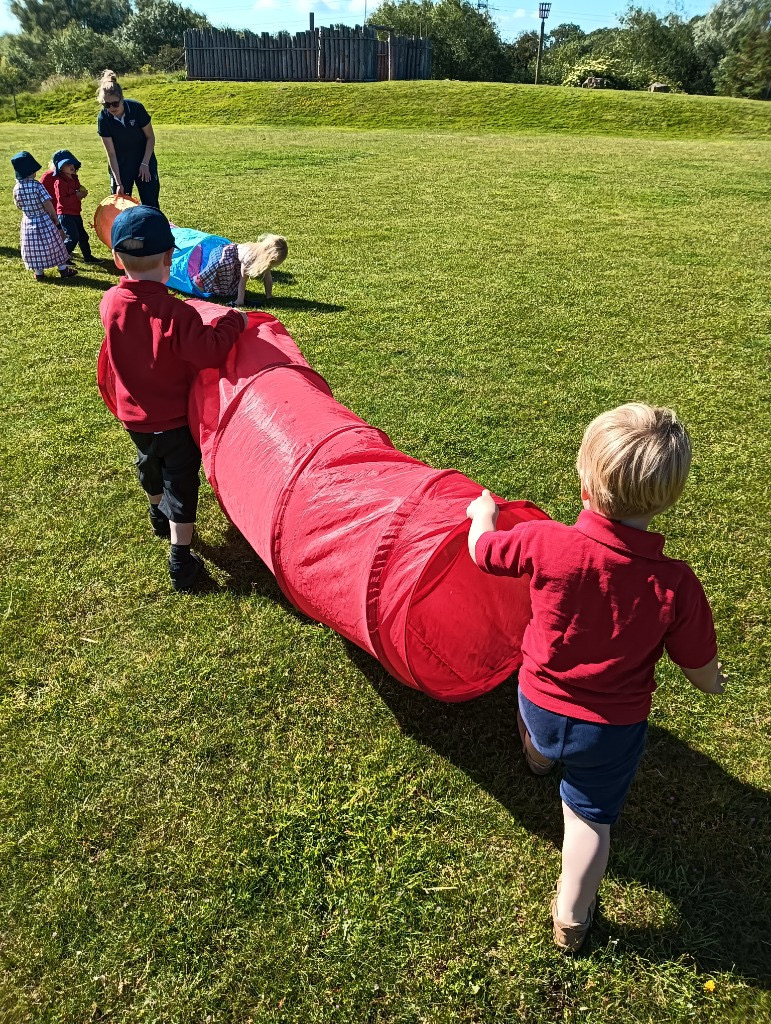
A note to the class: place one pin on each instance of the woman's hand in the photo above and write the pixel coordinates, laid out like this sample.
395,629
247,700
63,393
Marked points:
119,190
144,172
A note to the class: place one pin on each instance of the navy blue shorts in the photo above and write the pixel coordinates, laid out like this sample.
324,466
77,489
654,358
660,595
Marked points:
600,761
168,463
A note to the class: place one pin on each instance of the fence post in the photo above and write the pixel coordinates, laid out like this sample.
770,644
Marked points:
391,55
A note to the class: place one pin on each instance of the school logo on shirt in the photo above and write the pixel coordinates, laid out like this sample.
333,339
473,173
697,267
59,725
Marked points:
132,123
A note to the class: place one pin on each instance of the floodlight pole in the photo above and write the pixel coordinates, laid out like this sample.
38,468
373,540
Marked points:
543,14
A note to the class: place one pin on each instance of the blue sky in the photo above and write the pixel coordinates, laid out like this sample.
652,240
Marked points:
512,16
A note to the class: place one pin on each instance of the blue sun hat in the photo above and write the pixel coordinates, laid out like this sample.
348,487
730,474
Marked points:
142,224
64,156
24,164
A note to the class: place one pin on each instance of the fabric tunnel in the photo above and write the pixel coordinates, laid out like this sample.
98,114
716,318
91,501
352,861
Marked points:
105,214
360,537
192,248
192,251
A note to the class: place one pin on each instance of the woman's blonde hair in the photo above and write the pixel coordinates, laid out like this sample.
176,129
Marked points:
108,86
257,258
634,460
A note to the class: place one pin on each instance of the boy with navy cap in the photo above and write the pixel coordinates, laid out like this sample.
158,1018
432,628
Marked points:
155,345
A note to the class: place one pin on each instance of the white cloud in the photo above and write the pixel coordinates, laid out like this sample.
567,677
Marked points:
520,13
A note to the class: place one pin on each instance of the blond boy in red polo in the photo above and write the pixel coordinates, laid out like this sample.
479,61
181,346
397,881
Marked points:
606,604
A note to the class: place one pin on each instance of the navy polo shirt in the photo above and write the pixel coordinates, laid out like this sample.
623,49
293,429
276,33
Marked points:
128,138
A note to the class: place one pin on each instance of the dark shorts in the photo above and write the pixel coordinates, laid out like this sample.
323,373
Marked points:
600,761
168,463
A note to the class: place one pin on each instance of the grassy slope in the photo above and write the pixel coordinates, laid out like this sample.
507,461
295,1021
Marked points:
214,810
444,106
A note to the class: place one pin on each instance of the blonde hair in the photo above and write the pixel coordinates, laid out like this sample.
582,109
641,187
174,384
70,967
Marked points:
634,460
108,86
138,264
257,258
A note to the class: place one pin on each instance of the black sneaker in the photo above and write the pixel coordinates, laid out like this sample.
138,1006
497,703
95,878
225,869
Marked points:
184,574
159,523
93,259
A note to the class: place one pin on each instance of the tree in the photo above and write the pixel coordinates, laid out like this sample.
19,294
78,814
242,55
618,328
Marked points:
49,16
567,32
747,70
722,27
521,55
78,51
466,44
663,46
156,24
26,57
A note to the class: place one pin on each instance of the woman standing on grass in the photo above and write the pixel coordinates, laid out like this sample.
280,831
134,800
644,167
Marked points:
125,129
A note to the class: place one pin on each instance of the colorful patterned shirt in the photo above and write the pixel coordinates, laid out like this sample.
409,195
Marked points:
222,273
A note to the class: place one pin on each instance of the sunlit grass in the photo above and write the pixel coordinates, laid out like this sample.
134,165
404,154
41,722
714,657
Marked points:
475,107
215,810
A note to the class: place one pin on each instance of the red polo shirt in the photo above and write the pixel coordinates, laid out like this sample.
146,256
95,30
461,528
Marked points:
156,345
47,181
66,192
606,603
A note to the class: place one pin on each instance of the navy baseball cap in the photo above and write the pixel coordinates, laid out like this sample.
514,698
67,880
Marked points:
143,224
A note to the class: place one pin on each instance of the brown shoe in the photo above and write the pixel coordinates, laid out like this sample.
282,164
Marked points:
569,938
537,763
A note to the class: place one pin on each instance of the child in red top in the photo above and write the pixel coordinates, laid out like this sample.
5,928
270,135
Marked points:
69,196
155,346
606,603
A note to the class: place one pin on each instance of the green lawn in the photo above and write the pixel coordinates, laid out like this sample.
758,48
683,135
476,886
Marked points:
442,106
214,810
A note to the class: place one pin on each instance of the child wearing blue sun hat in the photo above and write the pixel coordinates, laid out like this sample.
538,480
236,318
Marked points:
42,235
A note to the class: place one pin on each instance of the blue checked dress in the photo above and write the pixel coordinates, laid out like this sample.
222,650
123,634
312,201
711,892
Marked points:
42,245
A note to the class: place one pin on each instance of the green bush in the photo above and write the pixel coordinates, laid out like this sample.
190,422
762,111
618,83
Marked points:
620,75
76,50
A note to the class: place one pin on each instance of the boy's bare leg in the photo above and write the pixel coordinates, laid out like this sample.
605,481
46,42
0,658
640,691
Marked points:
585,851
154,499
182,533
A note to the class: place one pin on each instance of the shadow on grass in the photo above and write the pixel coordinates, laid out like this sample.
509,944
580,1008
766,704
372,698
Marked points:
247,574
107,266
688,830
300,305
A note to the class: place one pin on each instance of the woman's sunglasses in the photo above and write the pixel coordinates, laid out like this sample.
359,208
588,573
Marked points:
113,103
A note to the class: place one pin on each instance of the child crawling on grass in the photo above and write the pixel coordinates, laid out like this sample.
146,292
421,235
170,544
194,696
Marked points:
229,266
606,603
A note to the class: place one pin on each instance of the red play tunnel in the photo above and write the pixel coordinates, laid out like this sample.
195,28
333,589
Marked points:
360,536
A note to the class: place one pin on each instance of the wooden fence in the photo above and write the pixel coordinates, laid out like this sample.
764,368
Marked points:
338,53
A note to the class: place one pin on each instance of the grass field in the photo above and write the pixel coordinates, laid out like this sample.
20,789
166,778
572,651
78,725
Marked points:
214,810
471,107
